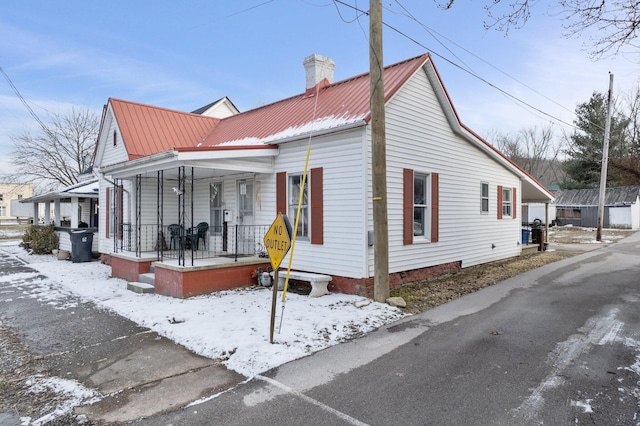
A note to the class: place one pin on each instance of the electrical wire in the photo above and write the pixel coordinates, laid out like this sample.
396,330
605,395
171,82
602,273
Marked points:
519,101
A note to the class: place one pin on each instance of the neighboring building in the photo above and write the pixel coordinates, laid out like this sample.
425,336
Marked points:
194,194
10,192
70,209
579,207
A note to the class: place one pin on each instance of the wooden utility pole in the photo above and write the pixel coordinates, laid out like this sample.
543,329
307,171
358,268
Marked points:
379,155
605,161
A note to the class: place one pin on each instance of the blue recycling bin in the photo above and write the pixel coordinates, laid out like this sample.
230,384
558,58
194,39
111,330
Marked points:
81,242
526,235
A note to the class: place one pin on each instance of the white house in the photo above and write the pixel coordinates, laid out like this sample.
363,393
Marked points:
452,197
71,208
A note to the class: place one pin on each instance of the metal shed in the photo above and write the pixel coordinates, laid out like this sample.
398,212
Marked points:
579,207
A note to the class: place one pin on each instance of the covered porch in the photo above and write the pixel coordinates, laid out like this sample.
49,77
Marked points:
70,209
185,221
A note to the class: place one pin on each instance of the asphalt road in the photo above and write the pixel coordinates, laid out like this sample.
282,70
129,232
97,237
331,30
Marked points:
558,345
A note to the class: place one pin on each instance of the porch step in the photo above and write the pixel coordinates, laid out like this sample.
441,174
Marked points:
149,278
138,287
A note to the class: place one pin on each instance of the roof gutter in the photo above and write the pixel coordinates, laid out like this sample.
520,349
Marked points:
158,159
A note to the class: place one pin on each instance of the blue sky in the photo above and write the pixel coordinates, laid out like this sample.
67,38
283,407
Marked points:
183,55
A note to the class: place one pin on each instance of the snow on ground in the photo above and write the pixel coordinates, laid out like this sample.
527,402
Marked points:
231,325
73,392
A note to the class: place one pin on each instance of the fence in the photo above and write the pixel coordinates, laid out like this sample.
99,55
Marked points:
175,242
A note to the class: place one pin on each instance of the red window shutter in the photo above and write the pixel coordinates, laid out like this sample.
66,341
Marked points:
120,210
499,202
435,201
108,213
281,192
317,207
407,206
513,204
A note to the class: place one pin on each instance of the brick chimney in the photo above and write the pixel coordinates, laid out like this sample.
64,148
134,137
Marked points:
317,69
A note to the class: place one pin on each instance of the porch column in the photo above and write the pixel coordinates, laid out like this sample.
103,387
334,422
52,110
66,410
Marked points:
47,212
74,212
56,212
34,216
546,222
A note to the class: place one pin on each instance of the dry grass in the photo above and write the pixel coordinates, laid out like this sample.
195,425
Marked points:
423,295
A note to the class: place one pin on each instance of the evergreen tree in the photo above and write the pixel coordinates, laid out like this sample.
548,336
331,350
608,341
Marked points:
584,152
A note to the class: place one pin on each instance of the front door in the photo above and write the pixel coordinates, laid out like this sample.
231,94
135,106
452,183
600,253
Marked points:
245,217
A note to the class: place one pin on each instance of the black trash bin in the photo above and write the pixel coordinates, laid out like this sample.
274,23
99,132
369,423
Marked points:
537,237
81,242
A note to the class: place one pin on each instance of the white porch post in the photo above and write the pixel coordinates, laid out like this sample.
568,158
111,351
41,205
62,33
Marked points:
74,212
546,222
35,213
56,212
47,212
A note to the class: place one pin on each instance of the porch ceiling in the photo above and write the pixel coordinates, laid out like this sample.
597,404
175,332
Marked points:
532,193
204,164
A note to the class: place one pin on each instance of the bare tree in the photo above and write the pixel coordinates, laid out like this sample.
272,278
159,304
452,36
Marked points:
57,154
627,165
616,23
535,150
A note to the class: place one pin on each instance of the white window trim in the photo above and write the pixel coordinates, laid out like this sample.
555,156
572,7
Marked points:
483,198
292,207
425,237
507,204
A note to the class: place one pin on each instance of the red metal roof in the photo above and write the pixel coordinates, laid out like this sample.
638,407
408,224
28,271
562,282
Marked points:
148,129
344,101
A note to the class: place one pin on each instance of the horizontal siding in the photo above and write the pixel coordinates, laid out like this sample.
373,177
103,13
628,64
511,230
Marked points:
419,137
106,244
107,153
344,249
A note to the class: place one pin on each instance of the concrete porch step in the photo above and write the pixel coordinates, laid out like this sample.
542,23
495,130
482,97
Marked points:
149,278
138,287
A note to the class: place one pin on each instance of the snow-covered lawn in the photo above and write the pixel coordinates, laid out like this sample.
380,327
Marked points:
231,325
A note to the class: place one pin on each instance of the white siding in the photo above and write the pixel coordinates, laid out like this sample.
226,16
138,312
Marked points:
344,250
420,138
620,217
107,153
106,243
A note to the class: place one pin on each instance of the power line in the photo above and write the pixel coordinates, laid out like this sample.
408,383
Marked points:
470,72
28,107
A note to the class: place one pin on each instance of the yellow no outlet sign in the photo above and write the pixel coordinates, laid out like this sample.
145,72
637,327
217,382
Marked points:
278,240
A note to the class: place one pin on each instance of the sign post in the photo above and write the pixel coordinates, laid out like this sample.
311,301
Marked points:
277,242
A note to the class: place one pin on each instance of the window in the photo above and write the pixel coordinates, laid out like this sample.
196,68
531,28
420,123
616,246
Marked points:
3,210
19,196
215,206
115,138
506,202
311,224
1,197
295,186
484,197
420,204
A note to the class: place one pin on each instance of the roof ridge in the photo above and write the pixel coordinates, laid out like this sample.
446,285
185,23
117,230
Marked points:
171,110
335,84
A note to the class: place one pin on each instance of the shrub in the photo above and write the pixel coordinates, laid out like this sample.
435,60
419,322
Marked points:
41,238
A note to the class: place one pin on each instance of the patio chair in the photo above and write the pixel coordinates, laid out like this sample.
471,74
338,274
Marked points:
175,231
199,233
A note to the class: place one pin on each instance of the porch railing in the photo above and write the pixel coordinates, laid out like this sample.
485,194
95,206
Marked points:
232,241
